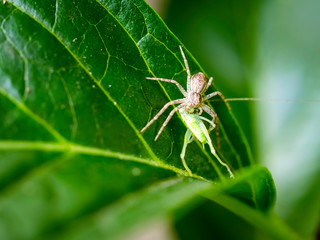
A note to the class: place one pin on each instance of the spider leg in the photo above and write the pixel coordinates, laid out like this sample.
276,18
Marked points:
208,110
215,120
161,111
168,119
187,139
220,94
208,85
171,81
188,70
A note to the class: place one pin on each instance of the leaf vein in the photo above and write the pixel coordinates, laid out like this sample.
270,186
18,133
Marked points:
151,153
55,15
92,151
34,116
74,128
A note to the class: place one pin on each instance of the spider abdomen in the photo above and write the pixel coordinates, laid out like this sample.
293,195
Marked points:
198,82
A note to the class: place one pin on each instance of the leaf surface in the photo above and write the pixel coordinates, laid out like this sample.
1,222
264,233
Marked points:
73,98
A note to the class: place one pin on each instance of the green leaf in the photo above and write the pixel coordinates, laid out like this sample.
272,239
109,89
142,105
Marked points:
73,98
133,210
208,220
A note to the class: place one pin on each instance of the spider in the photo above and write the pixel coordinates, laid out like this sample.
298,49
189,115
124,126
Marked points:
190,108
193,99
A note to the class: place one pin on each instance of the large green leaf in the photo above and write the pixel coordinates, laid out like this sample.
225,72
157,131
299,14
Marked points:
73,97
134,210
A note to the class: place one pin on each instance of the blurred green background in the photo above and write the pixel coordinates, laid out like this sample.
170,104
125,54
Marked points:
270,50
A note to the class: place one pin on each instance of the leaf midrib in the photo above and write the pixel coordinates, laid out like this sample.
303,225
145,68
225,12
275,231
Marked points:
92,151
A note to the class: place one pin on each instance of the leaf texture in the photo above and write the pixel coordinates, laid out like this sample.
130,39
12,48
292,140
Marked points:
73,98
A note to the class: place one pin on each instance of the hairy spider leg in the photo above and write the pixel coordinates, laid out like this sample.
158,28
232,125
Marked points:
168,119
208,85
188,70
217,93
161,111
171,81
188,138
